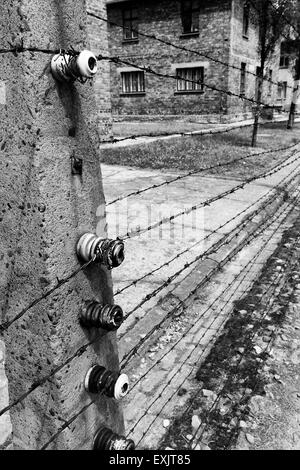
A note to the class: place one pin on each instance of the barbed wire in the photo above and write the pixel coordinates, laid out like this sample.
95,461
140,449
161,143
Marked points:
39,382
184,335
133,351
60,282
272,285
177,134
5,325
210,234
148,69
68,422
269,343
219,329
209,201
190,354
200,170
46,378
20,48
225,240
176,46
242,356
82,410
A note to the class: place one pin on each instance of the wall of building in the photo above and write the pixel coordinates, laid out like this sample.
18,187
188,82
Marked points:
245,49
98,43
162,18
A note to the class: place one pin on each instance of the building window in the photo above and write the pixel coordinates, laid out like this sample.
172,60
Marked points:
281,91
243,79
270,82
246,11
190,79
190,16
284,61
130,24
133,82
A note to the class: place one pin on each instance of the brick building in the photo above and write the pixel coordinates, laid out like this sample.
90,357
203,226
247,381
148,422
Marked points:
221,29
286,75
98,42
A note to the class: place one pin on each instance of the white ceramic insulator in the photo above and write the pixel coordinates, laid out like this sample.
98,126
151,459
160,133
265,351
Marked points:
84,61
121,387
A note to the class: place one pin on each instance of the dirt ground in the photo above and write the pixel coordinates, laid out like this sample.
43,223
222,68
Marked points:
248,394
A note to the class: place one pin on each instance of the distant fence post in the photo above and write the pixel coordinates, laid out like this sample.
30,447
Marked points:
45,208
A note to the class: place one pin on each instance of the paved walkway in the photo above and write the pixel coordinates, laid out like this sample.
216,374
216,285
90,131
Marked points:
153,248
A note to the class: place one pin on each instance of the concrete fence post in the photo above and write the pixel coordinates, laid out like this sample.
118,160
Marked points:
45,208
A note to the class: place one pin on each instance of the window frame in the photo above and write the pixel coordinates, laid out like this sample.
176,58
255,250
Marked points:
190,12
183,86
282,86
284,58
132,28
246,20
139,81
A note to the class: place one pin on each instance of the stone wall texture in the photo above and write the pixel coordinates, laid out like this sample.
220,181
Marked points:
44,210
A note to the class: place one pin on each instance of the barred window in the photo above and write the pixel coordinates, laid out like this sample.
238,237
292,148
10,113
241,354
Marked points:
190,16
133,82
130,23
190,79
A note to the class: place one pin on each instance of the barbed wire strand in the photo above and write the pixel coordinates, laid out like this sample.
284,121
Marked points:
178,370
200,170
77,353
207,202
133,351
182,337
214,248
242,356
176,46
269,343
39,382
70,421
5,325
53,372
151,71
194,133
210,234
219,329
77,414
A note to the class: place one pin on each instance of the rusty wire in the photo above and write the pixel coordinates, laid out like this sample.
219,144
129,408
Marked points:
190,354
